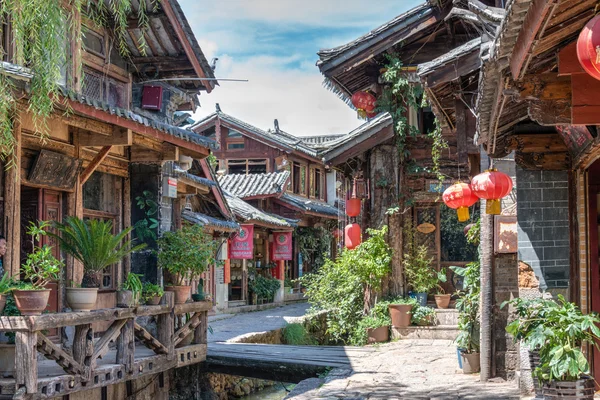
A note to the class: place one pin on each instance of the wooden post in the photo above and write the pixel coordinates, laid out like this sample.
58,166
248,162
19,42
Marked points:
127,220
126,346
244,280
26,361
75,209
461,131
83,346
12,209
200,333
166,324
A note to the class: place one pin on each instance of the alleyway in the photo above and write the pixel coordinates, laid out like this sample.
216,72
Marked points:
225,327
408,369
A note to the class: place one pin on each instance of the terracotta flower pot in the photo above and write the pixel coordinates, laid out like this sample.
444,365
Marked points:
2,302
7,360
400,314
581,389
182,293
442,300
154,300
31,302
126,299
378,335
470,362
82,299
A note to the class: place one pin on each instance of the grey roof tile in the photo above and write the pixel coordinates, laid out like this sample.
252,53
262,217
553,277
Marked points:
252,185
310,205
248,212
208,221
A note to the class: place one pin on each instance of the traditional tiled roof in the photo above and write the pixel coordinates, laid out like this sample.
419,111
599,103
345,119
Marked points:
452,55
209,222
195,178
249,213
177,132
309,205
320,141
255,185
279,138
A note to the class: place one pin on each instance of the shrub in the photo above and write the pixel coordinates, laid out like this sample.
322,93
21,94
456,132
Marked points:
296,334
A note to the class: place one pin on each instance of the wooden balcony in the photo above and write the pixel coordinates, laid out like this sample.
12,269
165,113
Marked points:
93,362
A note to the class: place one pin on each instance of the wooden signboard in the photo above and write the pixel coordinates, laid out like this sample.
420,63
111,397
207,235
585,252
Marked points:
54,170
505,234
576,137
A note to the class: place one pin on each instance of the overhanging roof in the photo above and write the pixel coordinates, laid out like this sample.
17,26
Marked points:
308,206
250,214
210,222
251,186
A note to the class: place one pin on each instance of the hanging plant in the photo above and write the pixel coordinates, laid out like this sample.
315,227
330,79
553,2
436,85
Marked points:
40,30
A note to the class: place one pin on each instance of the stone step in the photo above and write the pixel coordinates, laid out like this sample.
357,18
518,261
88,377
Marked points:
446,332
448,316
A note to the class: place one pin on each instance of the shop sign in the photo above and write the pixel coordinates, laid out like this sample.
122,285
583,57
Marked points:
242,244
426,228
576,137
282,246
169,187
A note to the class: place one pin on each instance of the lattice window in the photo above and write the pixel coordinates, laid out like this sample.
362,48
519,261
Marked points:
92,85
426,217
99,87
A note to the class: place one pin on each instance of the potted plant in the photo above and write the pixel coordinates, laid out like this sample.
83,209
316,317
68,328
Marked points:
185,254
423,316
199,296
40,267
377,329
442,299
131,291
93,243
152,293
6,286
400,310
467,305
7,350
419,273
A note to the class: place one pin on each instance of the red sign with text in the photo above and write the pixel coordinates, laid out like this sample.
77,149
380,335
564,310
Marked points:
282,246
242,245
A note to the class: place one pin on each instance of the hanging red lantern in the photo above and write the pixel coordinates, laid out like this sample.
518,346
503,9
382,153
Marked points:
364,103
337,233
492,185
352,236
460,197
588,47
353,207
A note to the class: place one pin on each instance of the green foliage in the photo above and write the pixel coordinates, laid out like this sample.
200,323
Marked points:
39,29
93,243
186,253
6,284
359,336
145,228
134,283
288,282
468,307
297,335
455,245
421,276
438,144
264,287
40,267
11,310
422,315
314,244
474,234
151,290
340,284
557,330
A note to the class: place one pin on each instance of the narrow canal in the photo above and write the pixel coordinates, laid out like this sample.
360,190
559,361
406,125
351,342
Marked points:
276,392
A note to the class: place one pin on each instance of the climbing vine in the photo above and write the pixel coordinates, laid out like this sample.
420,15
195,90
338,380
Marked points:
314,244
40,30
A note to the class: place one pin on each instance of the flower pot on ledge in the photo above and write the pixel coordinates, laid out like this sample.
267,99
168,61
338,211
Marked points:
182,293
442,300
378,335
82,299
31,302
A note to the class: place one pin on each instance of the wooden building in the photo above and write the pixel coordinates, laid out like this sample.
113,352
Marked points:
115,143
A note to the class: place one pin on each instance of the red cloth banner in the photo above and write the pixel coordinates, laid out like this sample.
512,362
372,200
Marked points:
242,245
282,246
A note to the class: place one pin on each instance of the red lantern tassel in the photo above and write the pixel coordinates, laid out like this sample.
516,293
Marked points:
463,214
493,207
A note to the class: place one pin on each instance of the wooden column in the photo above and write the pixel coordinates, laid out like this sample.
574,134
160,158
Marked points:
26,370
126,346
177,207
200,333
83,346
127,220
166,324
244,279
461,131
75,209
12,209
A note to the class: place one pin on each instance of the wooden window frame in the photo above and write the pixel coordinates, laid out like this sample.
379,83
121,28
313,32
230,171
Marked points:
304,187
115,268
248,162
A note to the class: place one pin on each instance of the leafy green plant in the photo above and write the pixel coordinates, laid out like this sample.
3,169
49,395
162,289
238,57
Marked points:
359,336
557,330
145,228
422,315
134,283
11,310
467,305
314,244
151,290
41,266
297,335
6,284
264,287
93,243
419,272
186,253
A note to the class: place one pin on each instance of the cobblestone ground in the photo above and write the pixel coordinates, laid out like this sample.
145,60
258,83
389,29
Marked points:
407,369
225,327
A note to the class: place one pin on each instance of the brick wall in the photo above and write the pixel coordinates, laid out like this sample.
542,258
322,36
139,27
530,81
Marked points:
543,226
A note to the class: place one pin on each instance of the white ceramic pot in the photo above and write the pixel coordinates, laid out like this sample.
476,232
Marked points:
82,299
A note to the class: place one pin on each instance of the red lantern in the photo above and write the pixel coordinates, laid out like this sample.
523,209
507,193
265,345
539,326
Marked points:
353,207
352,236
364,103
492,186
460,197
588,47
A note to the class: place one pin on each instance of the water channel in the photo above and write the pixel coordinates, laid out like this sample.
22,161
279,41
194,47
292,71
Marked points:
276,392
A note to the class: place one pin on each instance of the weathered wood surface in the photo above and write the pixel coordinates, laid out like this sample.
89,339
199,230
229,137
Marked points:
53,352
12,208
126,346
186,329
149,341
26,361
109,335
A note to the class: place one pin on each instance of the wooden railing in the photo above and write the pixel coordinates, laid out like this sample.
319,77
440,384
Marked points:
92,362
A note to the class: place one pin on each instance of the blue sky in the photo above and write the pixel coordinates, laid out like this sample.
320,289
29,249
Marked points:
273,44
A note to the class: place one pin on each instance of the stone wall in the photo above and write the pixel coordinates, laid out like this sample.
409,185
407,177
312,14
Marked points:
543,226
506,287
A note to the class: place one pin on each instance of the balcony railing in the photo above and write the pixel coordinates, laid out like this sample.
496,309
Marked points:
93,362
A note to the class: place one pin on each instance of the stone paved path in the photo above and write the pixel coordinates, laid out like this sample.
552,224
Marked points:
225,329
407,369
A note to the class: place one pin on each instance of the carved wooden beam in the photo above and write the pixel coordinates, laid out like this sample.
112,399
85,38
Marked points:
110,335
536,143
119,137
187,329
149,341
85,175
53,352
543,161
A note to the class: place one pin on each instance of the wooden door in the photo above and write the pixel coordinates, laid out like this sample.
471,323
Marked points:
51,210
427,229
594,291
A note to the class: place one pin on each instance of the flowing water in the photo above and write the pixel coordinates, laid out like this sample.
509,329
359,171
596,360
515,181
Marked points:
277,392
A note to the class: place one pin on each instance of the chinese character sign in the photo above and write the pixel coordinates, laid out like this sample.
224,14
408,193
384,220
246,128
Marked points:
282,246
242,244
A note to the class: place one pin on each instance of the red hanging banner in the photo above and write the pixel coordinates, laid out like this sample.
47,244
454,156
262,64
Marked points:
282,246
242,245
